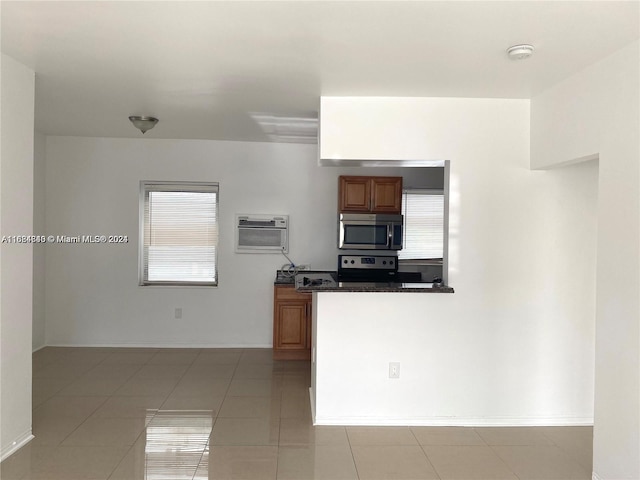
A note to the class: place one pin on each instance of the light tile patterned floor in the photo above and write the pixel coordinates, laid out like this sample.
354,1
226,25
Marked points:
196,414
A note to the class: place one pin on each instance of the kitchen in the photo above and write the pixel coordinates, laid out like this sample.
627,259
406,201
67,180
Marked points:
524,270
491,190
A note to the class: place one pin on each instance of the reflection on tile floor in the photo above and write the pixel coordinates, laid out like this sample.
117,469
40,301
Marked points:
198,414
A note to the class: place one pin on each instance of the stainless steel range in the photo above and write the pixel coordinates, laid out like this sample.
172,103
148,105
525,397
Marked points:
367,268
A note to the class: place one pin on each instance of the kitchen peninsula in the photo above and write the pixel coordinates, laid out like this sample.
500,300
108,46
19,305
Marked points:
293,306
357,330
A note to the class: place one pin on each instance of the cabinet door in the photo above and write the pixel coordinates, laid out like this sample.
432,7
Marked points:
354,194
386,195
291,325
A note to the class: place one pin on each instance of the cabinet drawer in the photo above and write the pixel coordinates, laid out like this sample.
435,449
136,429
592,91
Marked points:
289,293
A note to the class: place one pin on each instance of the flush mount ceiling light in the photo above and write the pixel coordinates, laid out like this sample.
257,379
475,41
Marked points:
520,52
143,123
285,129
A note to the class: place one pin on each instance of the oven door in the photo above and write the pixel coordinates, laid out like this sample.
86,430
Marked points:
370,232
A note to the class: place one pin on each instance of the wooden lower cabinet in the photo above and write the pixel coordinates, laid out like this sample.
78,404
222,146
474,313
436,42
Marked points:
291,324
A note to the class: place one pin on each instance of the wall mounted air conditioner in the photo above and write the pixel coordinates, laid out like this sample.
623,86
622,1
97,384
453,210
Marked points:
258,233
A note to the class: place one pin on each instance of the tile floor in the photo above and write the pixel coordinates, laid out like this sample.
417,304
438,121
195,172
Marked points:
195,414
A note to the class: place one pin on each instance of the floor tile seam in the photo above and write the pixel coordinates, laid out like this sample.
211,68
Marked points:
433,467
215,363
114,353
245,417
353,457
62,360
59,444
475,430
106,399
561,447
178,382
224,397
233,374
492,447
71,379
475,446
91,367
108,445
35,408
31,465
575,458
278,450
204,449
168,350
279,427
484,441
131,375
84,374
131,447
546,437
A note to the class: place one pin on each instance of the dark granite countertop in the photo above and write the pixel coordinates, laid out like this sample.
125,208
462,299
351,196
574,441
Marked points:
380,287
408,287
285,278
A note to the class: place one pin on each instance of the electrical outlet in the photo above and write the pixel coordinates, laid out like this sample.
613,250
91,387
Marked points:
178,313
304,267
394,370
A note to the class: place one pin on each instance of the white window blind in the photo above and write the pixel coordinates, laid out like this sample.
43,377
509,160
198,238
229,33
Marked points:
423,212
179,233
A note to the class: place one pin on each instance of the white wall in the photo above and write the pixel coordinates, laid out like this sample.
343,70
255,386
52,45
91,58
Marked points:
38,339
92,188
405,128
16,218
92,295
516,340
597,112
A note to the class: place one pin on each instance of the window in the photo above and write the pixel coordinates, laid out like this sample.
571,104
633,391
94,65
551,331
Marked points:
179,233
423,212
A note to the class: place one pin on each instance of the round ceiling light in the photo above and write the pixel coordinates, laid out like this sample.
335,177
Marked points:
143,123
520,52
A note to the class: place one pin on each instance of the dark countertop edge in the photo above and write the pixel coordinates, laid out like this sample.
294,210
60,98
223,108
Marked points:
353,287
403,288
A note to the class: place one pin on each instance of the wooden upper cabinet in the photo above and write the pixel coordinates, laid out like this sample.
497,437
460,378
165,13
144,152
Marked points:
355,194
370,194
386,195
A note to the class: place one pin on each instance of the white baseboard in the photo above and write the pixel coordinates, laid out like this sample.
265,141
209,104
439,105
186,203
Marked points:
158,345
16,445
457,421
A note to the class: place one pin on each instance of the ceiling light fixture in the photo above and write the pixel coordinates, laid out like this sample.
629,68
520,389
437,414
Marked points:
520,52
143,123
285,129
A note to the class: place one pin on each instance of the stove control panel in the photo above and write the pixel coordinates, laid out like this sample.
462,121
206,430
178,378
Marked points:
367,262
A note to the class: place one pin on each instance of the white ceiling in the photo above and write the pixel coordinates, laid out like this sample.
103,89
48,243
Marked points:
207,70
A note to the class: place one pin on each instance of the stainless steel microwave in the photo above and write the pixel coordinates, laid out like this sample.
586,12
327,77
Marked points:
369,231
